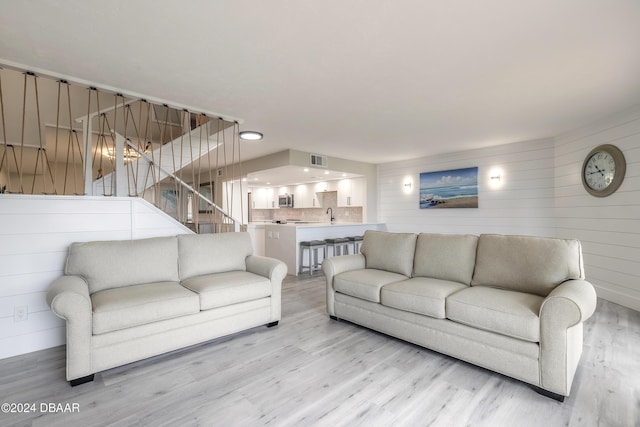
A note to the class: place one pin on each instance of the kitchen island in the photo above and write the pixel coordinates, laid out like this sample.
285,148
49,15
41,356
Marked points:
282,241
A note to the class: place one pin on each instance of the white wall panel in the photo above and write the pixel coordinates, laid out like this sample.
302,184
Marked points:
35,233
32,341
608,227
523,204
25,283
541,194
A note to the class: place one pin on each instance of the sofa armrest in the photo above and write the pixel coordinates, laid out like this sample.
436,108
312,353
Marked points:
336,265
271,268
570,303
561,316
275,270
68,297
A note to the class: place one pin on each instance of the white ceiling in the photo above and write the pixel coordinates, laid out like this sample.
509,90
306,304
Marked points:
373,80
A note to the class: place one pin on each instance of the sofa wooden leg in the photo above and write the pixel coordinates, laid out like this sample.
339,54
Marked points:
547,393
82,380
333,317
272,324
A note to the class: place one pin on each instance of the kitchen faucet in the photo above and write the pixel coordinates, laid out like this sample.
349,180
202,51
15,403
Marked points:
330,210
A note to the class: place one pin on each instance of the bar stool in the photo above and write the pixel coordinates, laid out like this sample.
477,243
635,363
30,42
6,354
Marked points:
356,241
338,244
312,246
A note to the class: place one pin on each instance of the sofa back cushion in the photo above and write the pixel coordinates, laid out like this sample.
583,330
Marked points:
446,257
534,265
213,253
389,251
117,263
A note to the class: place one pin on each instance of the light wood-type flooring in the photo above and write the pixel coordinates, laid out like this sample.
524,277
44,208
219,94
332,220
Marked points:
310,370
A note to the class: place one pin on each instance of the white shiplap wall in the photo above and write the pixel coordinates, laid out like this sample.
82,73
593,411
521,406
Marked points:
35,232
542,195
523,204
609,227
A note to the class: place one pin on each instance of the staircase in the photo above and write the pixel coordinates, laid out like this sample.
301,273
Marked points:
140,173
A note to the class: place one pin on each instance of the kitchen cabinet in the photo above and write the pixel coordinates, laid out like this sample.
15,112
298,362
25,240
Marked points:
259,198
272,198
350,191
305,196
283,190
264,198
357,192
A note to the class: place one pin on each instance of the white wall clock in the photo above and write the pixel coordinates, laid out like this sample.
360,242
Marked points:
603,170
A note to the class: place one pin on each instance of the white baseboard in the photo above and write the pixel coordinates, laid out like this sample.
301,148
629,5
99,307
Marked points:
624,300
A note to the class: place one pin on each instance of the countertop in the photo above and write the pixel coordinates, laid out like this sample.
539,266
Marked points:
310,224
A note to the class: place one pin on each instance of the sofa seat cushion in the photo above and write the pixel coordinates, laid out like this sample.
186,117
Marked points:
422,295
365,283
511,313
231,287
129,306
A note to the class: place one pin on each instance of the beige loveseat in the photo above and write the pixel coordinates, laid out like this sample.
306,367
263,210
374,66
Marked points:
512,304
128,300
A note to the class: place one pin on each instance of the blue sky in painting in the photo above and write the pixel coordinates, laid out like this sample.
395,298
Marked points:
453,177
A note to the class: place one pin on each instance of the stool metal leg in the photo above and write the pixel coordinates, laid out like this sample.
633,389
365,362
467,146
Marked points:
301,258
314,265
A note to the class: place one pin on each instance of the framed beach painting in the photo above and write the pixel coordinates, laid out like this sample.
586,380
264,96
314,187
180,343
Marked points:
455,188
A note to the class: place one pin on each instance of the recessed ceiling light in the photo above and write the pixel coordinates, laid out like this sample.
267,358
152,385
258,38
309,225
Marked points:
326,172
306,169
250,135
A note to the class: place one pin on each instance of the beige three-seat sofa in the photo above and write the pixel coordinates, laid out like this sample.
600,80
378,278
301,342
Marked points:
512,304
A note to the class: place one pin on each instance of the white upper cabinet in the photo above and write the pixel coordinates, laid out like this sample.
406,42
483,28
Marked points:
272,198
304,196
259,198
350,191
357,192
264,198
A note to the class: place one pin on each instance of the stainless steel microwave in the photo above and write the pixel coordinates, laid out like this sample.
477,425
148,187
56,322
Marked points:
285,200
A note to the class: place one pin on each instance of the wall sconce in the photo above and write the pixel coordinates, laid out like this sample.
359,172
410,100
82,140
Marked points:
406,186
495,177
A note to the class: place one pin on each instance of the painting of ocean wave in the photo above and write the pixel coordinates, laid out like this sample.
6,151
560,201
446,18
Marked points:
456,188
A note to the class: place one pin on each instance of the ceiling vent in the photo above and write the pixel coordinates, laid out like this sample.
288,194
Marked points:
319,161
